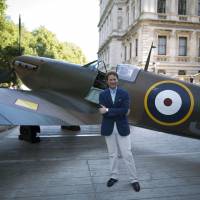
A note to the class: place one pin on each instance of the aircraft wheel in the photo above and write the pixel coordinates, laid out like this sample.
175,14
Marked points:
29,133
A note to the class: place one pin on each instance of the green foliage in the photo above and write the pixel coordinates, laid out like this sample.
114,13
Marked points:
73,53
2,7
40,42
47,45
8,43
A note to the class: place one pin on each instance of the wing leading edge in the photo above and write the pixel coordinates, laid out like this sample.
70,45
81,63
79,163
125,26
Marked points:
19,107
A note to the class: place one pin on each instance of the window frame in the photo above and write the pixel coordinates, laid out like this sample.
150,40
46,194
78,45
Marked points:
136,47
184,46
182,7
198,8
162,46
161,6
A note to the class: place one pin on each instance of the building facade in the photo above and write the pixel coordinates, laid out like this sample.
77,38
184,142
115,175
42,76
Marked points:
127,29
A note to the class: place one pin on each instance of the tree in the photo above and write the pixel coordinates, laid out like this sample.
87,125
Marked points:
3,7
40,42
73,53
48,45
8,43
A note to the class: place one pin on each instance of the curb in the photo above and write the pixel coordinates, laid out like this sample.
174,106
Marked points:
5,128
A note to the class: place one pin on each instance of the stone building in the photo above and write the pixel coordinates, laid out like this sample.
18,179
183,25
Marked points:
127,29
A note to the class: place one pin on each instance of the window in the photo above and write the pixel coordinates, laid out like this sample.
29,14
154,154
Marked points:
140,6
127,12
134,13
136,47
199,48
182,46
198,7
181,72
161,6
119,22
125,49
182,7
161,71
130,50
162,45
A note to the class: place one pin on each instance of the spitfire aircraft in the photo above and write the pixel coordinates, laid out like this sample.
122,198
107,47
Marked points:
67,94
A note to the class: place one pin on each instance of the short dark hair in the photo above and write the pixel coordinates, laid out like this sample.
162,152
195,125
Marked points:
111,73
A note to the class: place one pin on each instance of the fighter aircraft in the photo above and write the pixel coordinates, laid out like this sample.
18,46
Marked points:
66,94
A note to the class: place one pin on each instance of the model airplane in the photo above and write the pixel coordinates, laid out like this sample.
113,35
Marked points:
67,94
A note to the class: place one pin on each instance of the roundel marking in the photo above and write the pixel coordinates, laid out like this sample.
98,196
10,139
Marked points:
169,103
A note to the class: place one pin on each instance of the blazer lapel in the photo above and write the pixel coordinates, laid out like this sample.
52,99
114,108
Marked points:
116,96
109,97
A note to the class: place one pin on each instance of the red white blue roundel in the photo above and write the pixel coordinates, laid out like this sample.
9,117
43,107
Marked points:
169,103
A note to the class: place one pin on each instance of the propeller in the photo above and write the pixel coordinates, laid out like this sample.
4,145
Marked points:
148,58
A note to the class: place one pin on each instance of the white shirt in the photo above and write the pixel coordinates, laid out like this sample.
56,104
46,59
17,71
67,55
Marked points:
113,93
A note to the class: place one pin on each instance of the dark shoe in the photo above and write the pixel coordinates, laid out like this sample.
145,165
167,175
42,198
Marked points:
111,182
136,186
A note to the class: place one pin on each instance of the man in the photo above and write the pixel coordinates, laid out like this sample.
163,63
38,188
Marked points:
114,103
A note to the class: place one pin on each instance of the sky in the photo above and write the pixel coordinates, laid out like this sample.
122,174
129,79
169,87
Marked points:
71,20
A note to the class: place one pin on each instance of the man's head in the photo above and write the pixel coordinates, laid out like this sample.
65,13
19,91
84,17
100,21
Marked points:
112,79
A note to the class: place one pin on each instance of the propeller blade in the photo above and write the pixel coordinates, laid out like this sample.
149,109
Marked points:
148,58
20,34
6,76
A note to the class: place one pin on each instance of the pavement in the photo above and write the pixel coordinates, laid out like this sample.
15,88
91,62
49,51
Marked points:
68,165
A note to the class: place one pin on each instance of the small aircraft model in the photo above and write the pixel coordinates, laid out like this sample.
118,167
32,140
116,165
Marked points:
67,94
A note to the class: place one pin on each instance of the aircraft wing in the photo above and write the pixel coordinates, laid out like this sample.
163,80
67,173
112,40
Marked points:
18,107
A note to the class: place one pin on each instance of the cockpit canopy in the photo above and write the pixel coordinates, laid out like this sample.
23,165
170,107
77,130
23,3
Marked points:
127,72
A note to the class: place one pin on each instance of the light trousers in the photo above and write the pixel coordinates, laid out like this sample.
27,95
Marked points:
120,144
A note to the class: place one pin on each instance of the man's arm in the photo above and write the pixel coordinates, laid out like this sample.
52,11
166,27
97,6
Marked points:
113,112
102,108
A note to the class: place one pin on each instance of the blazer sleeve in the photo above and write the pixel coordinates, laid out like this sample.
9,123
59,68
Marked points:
121,111
101,99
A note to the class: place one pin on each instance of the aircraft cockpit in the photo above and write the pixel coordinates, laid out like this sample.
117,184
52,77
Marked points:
96,65
100,67
99,82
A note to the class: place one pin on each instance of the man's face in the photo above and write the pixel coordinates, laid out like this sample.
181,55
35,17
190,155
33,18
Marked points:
112,81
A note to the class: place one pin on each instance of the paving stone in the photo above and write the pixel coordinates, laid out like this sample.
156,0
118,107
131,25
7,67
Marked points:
73,166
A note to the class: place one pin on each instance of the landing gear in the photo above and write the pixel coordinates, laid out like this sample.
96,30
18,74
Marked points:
71,128
29,133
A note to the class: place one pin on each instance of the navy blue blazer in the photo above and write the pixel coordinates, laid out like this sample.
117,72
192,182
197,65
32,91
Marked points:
117,112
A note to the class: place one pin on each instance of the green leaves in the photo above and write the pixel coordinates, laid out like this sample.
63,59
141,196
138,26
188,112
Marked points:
2,7
47,45
39,42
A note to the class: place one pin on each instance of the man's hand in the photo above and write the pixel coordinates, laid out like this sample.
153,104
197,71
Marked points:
103,109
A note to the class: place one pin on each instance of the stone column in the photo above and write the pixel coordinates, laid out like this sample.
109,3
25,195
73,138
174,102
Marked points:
193,46
174,9
172,46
